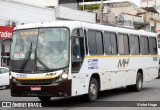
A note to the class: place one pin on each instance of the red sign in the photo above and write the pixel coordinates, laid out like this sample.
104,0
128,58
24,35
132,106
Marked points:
6,32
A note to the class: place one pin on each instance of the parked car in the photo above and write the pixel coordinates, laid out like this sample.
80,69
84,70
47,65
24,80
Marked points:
4,77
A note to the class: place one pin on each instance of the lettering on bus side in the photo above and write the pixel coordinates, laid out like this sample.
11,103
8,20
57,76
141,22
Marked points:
50,74
123,63
21,75
92,63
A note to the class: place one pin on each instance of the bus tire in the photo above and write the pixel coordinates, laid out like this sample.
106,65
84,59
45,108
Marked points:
44,99
138,86
92,90
139,81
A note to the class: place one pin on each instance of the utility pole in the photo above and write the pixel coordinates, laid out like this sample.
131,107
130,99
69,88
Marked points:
83,5
101,17
155,22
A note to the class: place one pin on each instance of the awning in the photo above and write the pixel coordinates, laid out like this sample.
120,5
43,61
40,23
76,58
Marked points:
151,9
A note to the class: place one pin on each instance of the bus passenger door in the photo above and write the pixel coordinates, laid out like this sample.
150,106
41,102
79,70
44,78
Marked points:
77,60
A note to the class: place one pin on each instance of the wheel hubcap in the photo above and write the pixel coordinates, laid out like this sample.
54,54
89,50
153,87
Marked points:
93,90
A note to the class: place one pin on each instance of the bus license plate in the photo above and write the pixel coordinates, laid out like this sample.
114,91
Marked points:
36,88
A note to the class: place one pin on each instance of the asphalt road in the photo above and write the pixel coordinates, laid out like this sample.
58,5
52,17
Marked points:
117,99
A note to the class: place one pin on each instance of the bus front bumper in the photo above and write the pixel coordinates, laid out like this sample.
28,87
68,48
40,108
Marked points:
60,89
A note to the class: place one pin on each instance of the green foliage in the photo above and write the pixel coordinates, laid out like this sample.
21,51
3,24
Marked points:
89,7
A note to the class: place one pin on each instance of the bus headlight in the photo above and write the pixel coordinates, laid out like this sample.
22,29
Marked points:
64,76
61,77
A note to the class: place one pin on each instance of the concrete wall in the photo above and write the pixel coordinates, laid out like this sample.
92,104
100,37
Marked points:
150,3
70,14
24,13
153,18
42,3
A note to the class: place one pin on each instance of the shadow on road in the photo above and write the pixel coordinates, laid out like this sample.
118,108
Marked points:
80,101
4,88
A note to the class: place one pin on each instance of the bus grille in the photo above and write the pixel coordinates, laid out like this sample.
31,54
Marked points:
36,82
39,93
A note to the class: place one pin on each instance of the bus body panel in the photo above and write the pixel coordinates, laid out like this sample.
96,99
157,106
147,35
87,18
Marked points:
112,76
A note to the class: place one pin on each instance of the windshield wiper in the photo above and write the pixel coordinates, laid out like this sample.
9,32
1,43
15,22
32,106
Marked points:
26,59
40,61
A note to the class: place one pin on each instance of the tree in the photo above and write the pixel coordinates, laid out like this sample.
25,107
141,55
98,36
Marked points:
90,7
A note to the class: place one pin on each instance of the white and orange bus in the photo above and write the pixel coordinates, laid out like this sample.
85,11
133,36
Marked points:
71,58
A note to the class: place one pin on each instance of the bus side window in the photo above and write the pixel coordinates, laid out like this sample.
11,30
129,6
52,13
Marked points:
77,50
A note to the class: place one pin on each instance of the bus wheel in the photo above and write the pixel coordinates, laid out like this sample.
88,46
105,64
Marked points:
43,99
92,90
139,81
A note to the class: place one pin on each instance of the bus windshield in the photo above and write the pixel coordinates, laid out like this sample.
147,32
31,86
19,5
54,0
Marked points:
48,48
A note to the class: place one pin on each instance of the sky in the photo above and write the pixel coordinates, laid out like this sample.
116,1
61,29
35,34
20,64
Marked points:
137,2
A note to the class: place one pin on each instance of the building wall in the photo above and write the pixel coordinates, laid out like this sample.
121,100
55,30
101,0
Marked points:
126,10
18,12
127,14
42,3
154,20
7,50
64,13
150,3
51,3
158,27
124,7
73,4
70,5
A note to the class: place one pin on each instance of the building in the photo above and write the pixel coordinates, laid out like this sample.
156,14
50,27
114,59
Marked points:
73,4
15,13
51,3
151,3
152,15
5,35
125,14
153,18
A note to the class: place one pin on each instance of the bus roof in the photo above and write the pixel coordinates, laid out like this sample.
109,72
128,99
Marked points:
77,24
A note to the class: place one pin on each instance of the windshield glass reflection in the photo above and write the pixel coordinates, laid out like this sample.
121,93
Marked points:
49,45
